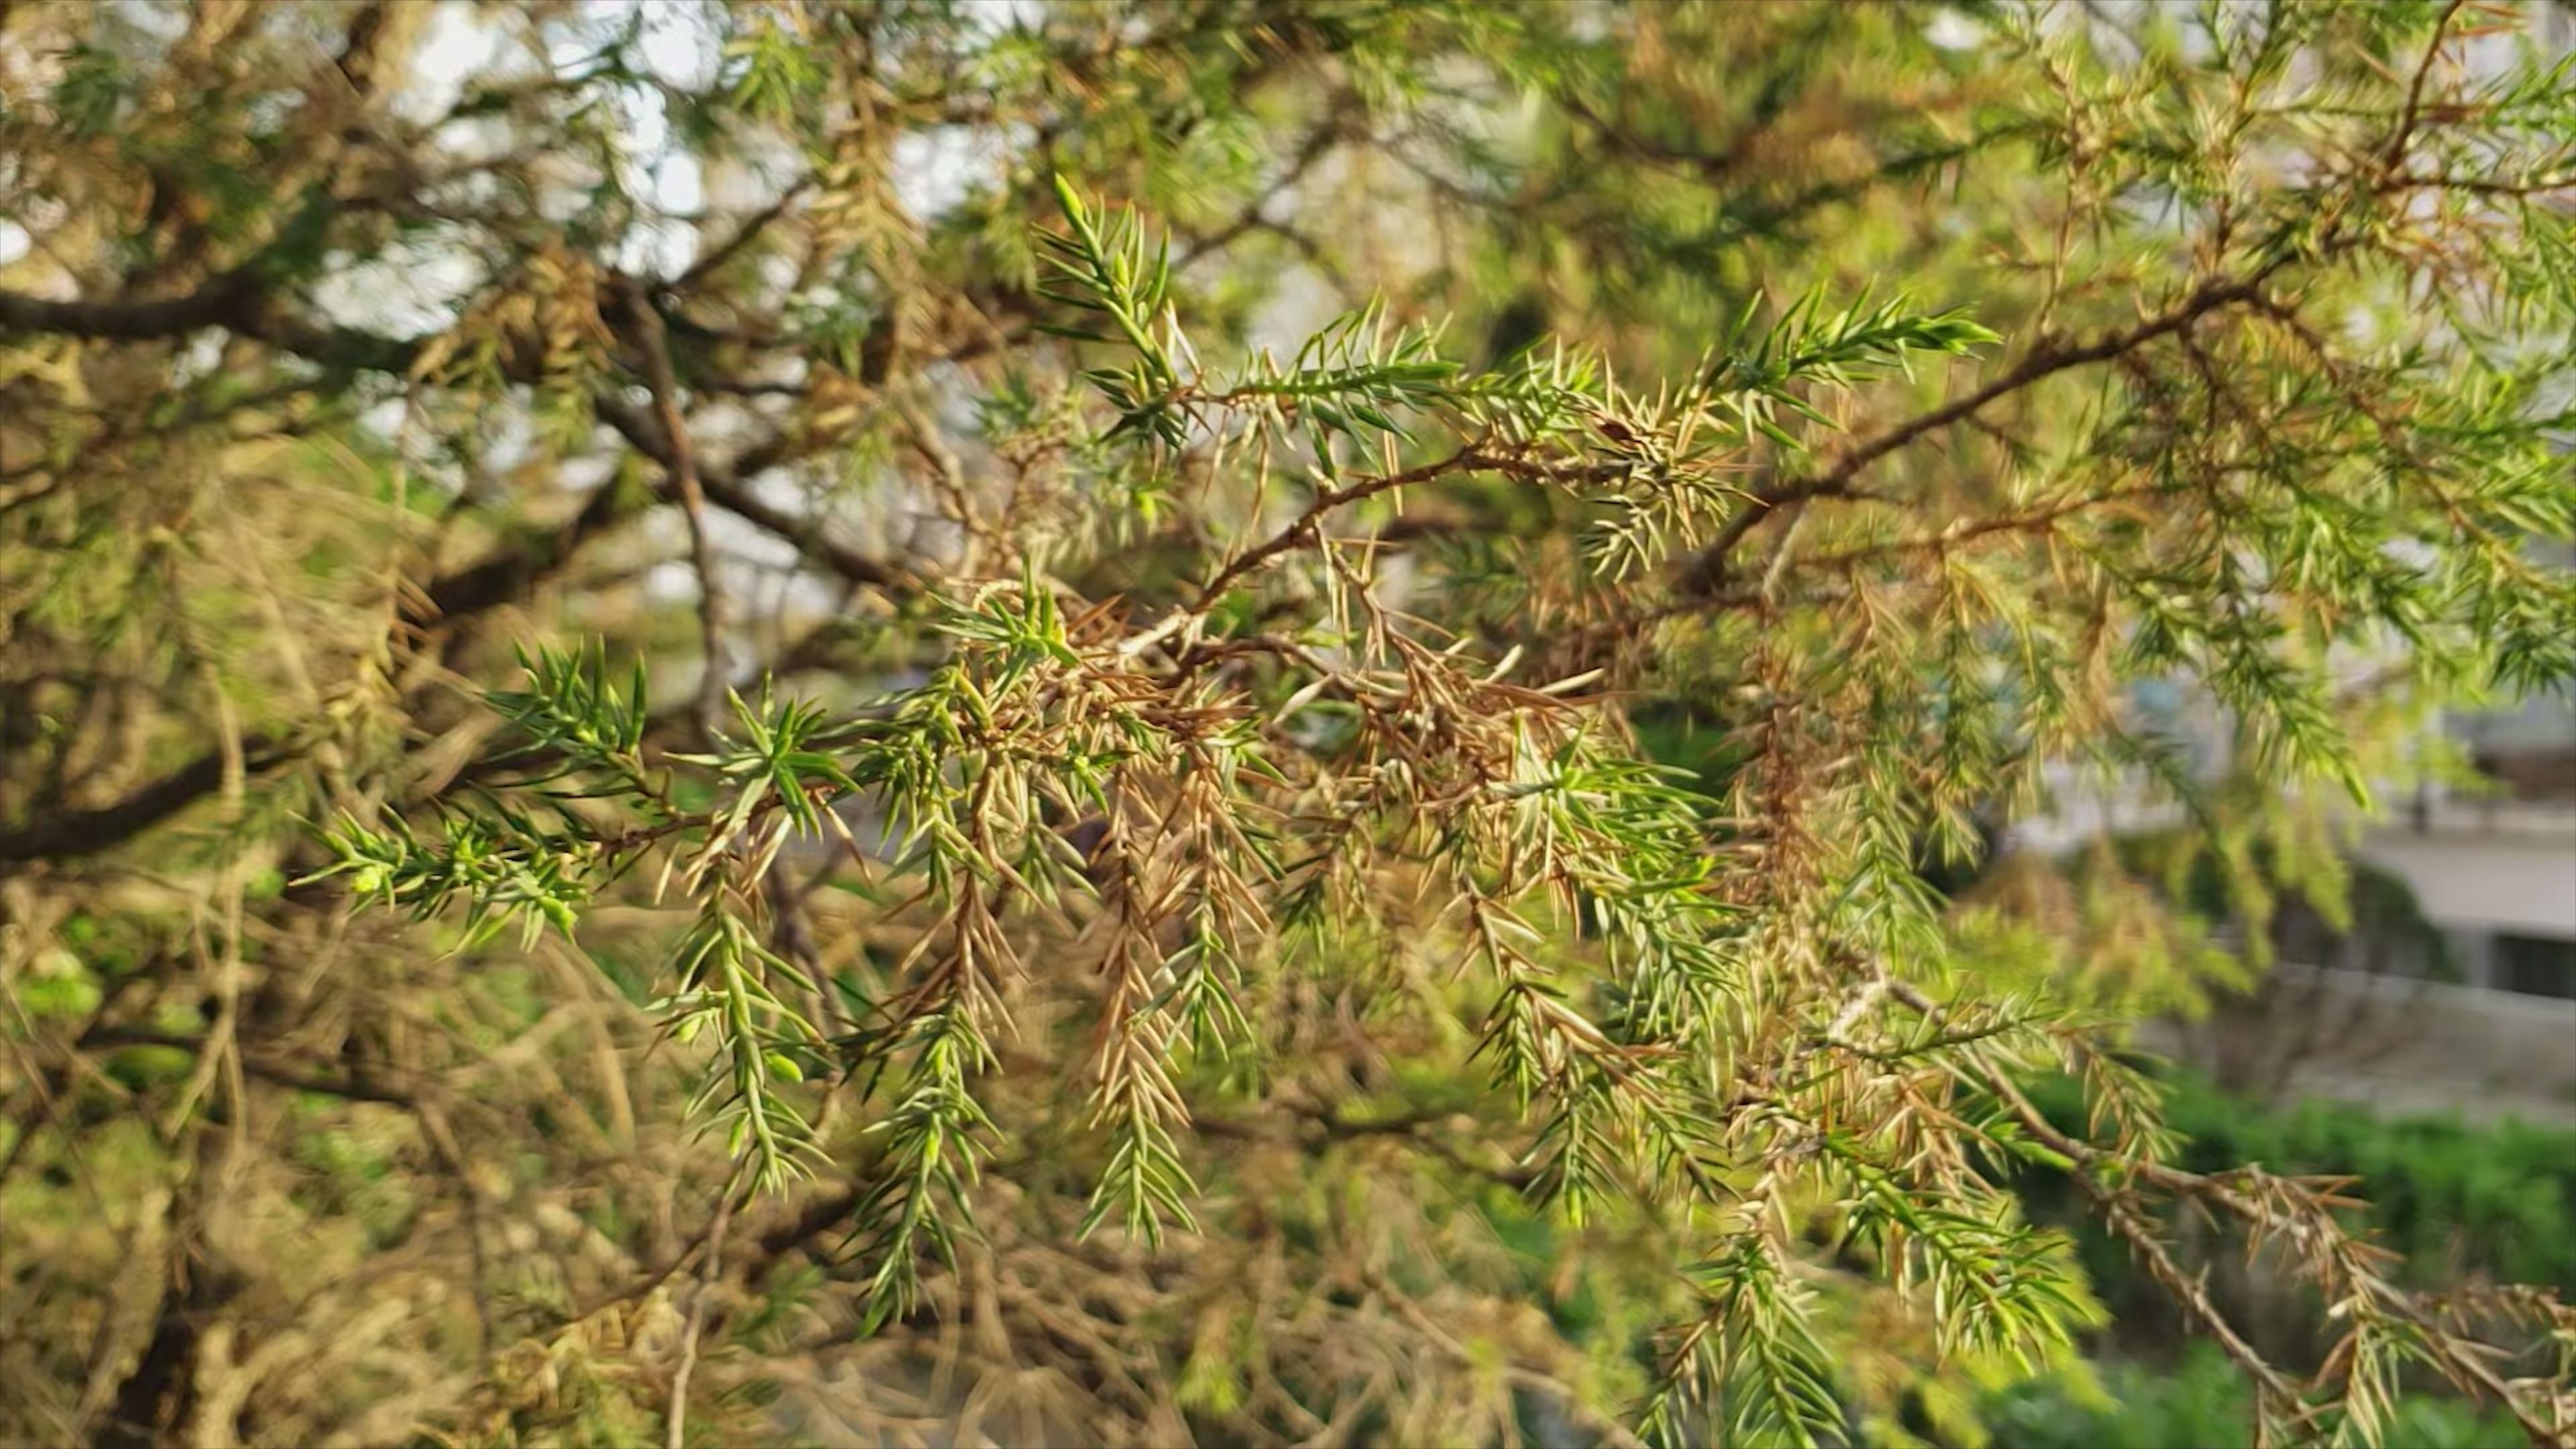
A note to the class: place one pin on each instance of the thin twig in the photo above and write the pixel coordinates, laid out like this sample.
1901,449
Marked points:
674,1429
744,235
1318,144
645,326
1520,1376
2404,135
1306,529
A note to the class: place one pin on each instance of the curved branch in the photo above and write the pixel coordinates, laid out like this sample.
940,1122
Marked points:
1306,528
73,833
1707,571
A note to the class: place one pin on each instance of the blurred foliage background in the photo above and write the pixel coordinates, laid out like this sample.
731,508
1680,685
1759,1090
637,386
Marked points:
1212,505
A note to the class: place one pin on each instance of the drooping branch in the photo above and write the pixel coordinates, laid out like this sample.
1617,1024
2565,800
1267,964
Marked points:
2103,1177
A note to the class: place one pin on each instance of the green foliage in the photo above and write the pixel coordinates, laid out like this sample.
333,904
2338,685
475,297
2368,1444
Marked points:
2494,1200
2200,1401
503,866
1119,280
1839,348
1162,911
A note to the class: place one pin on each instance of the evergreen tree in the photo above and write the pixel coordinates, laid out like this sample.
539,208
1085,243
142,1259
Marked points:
918,720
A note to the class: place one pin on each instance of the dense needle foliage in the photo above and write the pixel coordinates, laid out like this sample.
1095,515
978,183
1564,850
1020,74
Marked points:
931,714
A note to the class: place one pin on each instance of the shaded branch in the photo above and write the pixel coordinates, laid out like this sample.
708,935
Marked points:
500,578
69,834
680,470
